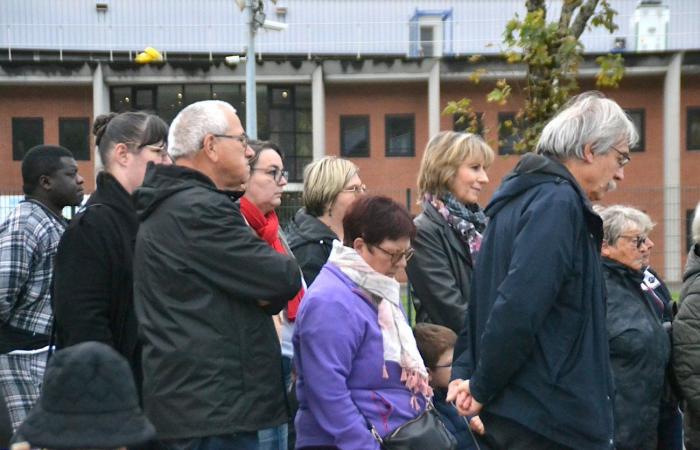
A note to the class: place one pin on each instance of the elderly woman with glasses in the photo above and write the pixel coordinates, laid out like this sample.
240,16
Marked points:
95,303
263,194
639,343
354,351
330,185
451,177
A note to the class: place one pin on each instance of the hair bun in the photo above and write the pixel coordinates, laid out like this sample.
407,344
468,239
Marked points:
100,125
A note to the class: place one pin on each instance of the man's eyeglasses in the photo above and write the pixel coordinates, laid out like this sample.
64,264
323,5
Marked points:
624,158
638,240
242,138
276,174
361,189
396,257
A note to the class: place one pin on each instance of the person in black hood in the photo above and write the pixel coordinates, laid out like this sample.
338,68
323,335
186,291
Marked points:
532,358
95,303
640,345
330,185
205,290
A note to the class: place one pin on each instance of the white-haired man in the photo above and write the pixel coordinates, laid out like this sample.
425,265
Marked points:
205,288
532,359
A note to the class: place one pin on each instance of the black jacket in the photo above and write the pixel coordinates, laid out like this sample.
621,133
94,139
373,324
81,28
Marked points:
211,357
95,302
311,242
440,272
686,352
535,344
639,353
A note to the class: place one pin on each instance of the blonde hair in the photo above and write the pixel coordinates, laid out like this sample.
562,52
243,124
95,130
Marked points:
443,155
323,181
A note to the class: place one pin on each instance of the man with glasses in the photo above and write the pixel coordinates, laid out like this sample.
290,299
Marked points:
205,291
532,359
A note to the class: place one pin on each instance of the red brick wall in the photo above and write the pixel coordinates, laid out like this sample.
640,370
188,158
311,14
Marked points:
50,103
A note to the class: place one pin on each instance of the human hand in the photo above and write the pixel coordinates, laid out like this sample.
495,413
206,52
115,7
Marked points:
459,393
477,425
20,446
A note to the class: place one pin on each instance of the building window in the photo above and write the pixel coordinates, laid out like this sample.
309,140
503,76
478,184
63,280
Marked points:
74,134
430,33
400,135
507,137
637,117
354,136
26,133
458,125
693,129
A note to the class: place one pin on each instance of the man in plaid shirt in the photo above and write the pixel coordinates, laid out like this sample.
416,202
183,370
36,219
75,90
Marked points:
28,241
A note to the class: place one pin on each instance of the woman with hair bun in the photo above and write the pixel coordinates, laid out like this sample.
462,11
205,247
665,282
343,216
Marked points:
93,298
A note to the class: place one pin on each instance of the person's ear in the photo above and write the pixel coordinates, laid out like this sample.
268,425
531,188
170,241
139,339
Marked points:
358,244
46,182
605,250
209,148
121,154
588,154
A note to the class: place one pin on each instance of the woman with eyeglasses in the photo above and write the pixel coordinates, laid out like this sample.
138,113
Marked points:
639,342
450,180
355,354
95,303
331,184
262,196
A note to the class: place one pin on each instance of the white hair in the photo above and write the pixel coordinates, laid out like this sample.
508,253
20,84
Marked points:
588,118
695,227
193,123
617,219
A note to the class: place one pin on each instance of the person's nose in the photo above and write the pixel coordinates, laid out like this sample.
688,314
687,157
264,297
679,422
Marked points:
249,153
79,179
619,174
483,178
402,263
649,243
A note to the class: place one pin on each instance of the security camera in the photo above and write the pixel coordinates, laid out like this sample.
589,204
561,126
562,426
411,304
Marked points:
274,25
233,60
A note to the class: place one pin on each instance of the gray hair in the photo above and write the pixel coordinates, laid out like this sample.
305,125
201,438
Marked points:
588,118
695,227
193,123
619,218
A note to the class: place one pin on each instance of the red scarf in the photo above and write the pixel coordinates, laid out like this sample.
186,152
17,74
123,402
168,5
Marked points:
267,227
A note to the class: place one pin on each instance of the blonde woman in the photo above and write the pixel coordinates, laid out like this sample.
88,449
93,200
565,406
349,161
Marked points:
451,177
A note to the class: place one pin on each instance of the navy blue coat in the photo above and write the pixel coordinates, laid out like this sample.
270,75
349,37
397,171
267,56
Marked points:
535,344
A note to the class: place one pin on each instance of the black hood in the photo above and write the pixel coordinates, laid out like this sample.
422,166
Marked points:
161,182
305,228
530,171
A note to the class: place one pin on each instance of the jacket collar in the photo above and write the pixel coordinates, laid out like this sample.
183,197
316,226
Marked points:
110,192
434,216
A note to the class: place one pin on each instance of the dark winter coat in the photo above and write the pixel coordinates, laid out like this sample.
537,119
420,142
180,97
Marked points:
311,242
454,423
95,303
535,345
639,353
211,356
440,272
686,351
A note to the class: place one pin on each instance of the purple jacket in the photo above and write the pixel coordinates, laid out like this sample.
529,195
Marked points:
339,359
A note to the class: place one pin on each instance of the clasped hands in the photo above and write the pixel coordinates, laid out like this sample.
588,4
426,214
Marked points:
460,396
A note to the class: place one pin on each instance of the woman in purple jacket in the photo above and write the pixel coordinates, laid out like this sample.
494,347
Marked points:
355,354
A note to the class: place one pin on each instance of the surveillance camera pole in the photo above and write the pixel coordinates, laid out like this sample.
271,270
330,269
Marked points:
251,110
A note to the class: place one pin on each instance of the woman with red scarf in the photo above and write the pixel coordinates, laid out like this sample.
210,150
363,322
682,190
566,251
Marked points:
263,194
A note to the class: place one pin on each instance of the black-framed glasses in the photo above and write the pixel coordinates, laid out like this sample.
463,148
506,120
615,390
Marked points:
624,158
638,240
396,257
361,189
276,173
242,138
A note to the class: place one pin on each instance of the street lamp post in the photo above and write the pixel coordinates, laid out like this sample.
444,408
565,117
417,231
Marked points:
251,110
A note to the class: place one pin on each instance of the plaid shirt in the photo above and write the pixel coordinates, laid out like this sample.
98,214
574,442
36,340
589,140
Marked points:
28,242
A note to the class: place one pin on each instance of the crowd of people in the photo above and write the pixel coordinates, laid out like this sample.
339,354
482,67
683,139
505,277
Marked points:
175,312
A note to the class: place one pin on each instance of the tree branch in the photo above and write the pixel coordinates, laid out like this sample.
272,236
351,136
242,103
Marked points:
567,11
584,14
534,5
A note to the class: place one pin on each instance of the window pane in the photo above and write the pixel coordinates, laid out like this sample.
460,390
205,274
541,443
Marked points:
400,135
26,133
197,92
230,93
302,96
303,121
263,111
426,40
354,136
121,99
304,147
169,101
637,117
74,134
281,119
144,99
465,124
693,137
281,96
507,137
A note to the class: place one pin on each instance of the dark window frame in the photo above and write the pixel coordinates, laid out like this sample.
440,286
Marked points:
82,154
641,144
692,112
411,152
17,153
347,153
